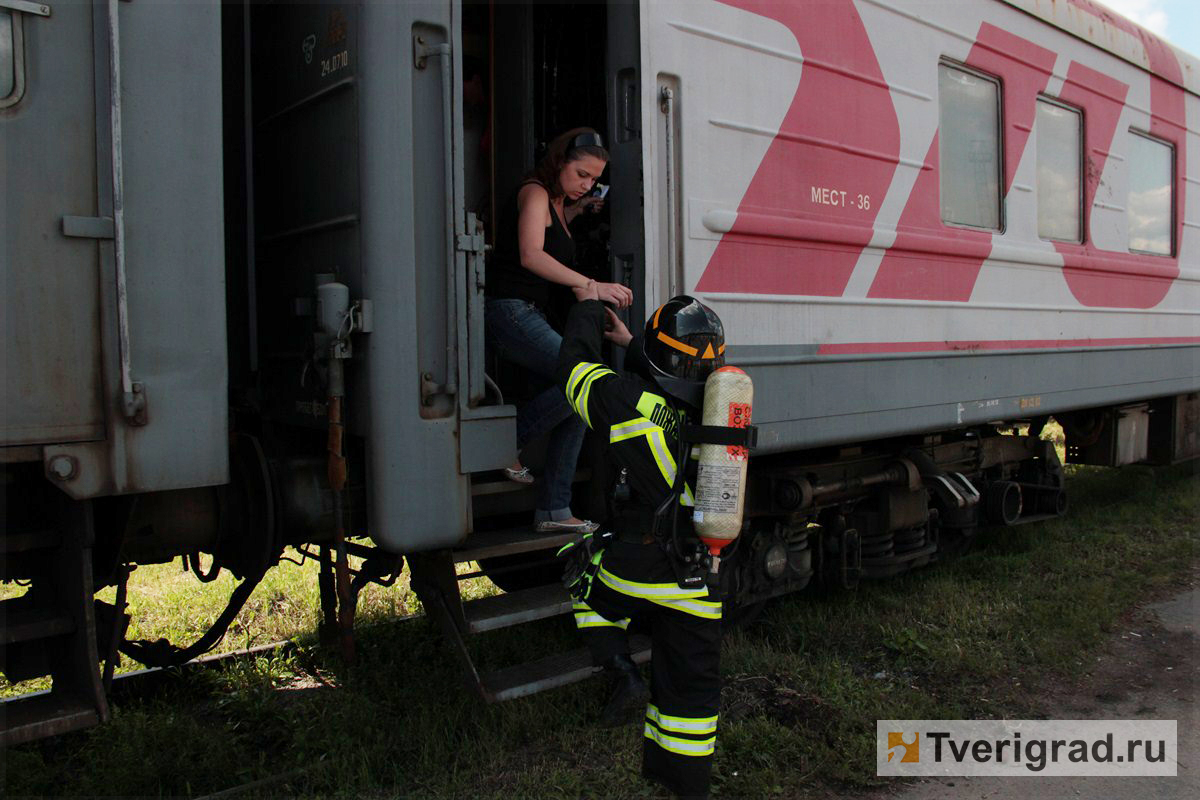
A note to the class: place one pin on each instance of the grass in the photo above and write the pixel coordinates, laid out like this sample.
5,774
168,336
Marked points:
972,637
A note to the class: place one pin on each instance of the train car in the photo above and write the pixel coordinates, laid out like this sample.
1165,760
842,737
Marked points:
244,269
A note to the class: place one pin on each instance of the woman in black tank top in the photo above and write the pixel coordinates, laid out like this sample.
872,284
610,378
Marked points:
533,251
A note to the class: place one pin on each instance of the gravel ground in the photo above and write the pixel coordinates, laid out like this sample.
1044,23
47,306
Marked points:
1150,670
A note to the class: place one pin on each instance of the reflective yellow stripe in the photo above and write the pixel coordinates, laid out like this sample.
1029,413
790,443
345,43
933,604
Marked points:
681,724
577,374
585,390
662,454
597,621
683,747
656,439
650,591
705,609
586,618
639,426
576,399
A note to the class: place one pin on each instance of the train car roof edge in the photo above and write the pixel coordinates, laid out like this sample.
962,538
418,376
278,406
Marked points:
1104,28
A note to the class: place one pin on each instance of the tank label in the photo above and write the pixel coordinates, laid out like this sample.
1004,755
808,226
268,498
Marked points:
716,488
739,417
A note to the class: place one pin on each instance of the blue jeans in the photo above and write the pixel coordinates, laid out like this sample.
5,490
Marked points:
520,333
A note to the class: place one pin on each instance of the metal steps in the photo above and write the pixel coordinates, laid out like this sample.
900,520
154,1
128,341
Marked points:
437,584
515,608
51,628
513,541
551,672
25,541
23,624
44,714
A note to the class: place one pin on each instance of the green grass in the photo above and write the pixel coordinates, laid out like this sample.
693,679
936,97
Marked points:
972,637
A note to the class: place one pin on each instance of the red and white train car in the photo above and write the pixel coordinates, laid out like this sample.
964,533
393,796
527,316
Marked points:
922,223
944,213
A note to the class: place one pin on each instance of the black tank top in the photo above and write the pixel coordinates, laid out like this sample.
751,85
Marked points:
506,278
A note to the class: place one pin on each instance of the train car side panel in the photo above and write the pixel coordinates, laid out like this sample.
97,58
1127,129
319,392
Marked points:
821,234
52,360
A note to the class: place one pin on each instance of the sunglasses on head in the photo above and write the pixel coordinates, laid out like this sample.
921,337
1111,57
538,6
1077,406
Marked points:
586,140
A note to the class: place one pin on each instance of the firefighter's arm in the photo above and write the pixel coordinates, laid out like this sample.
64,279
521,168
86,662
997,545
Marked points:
580,364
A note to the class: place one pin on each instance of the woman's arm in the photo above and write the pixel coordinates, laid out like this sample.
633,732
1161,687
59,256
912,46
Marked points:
533,204
533,208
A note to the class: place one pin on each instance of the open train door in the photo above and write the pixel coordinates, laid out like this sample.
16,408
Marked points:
518,87
422,269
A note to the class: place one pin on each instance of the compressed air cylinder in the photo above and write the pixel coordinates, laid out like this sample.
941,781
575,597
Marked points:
721,477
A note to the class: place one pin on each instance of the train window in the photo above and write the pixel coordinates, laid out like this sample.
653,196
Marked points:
1151,199
8,67
1059,171
969,147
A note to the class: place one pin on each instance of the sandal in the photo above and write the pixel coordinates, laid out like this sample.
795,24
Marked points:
522,475
554,526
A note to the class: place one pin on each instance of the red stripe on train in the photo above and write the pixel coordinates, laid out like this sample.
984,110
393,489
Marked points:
868,348
905,271
838,144
1146,279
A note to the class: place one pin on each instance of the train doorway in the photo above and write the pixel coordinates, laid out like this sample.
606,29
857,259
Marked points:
535,69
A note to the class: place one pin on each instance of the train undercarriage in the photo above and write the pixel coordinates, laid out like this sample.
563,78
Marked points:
832,517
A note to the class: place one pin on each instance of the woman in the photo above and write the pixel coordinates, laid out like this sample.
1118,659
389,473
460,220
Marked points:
534,251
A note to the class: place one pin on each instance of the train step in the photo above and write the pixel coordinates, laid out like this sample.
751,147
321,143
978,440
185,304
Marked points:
487,483
24,624
490,544
516,608
499,485
25,541
551,672
51,628
43,714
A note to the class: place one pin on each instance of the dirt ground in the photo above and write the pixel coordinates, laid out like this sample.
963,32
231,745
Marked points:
1150,670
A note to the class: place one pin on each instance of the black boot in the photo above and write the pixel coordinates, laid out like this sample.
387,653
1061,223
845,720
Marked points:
629,696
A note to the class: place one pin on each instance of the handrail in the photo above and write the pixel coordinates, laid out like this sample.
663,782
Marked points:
421,53
133,399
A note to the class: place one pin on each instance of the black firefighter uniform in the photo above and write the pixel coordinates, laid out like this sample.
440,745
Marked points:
635,577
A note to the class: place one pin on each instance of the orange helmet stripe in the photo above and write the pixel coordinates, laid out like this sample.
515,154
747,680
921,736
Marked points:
656,313
721,350
678,345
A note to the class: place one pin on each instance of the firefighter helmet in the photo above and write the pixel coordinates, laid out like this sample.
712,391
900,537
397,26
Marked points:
683,344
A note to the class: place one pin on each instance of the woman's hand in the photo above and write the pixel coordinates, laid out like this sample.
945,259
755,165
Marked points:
585,205
591,204
615,330
618,294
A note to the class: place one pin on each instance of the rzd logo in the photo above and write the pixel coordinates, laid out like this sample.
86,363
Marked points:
907,751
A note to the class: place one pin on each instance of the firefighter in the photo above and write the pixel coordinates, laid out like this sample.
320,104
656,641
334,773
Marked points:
651,567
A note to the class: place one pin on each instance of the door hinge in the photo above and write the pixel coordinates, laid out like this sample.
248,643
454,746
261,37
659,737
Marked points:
470,243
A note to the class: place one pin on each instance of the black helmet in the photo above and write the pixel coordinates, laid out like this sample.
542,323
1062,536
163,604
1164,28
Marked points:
684,343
